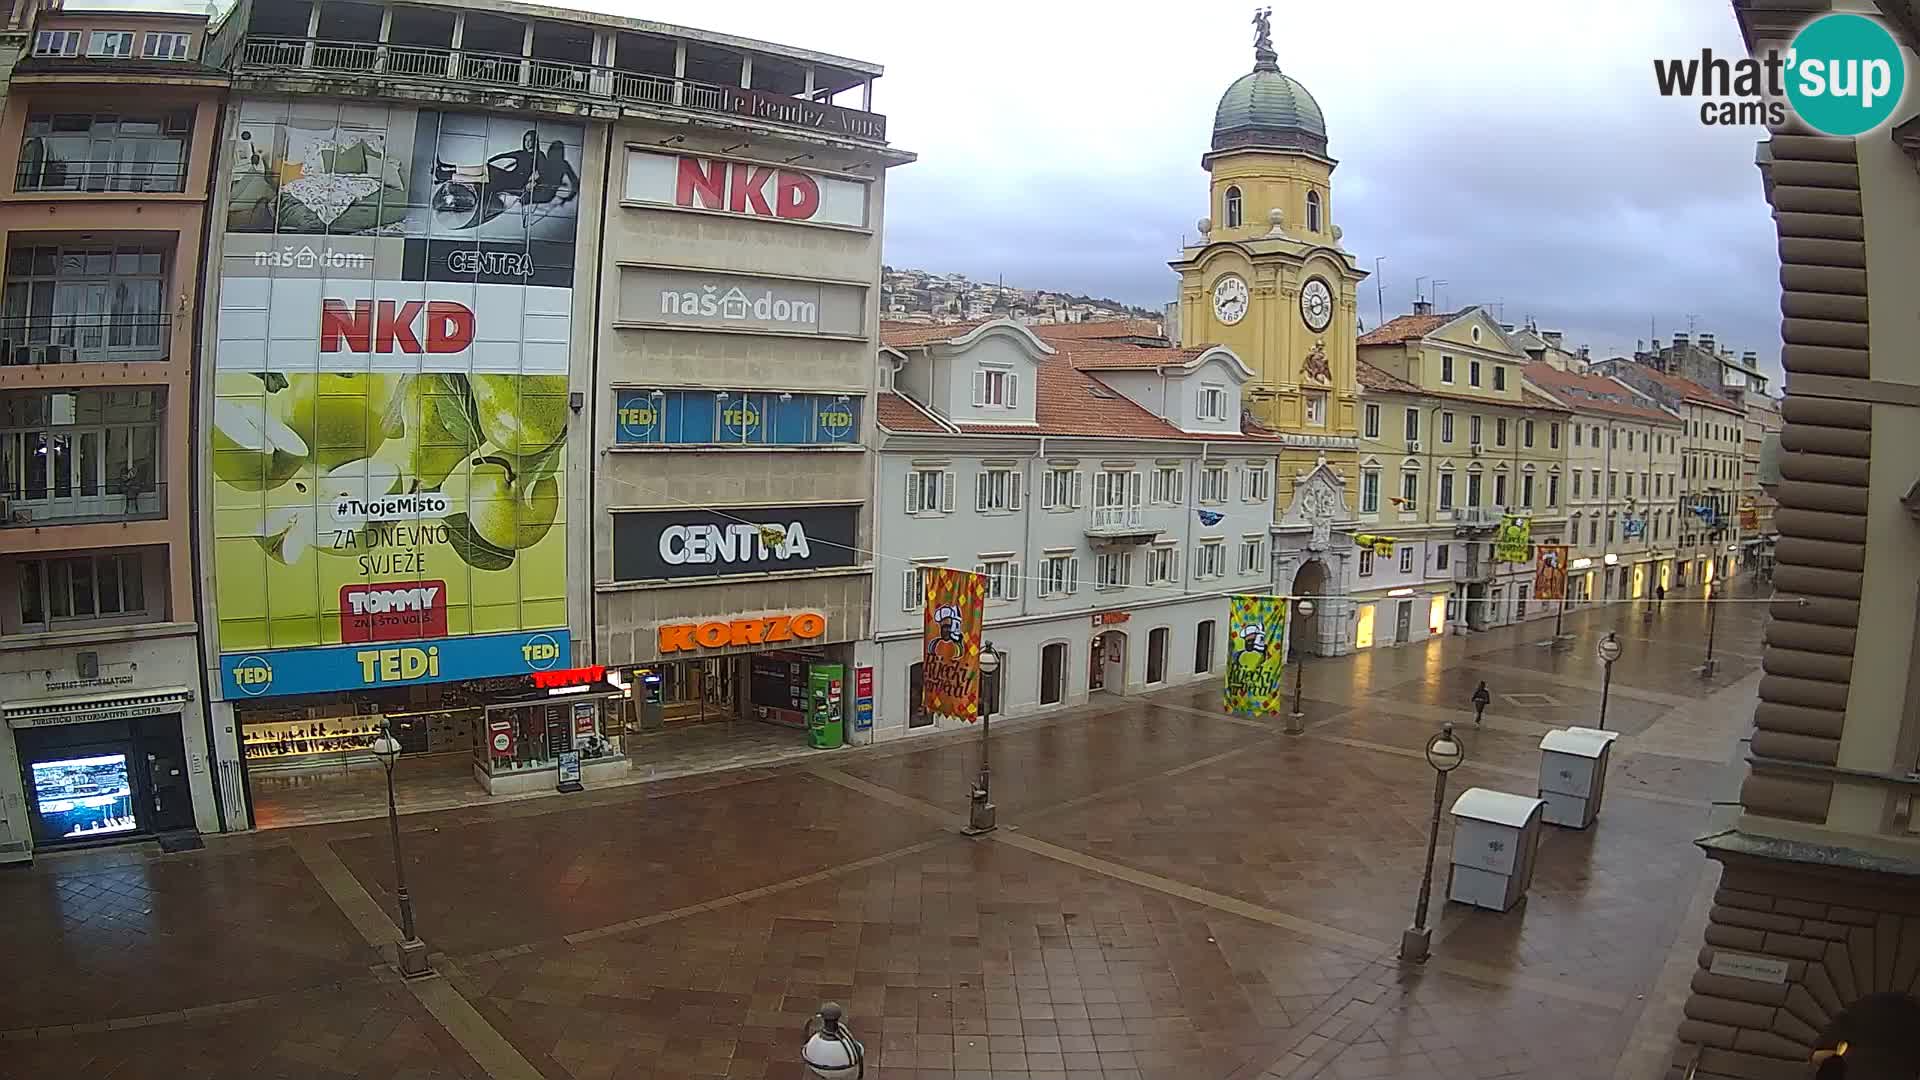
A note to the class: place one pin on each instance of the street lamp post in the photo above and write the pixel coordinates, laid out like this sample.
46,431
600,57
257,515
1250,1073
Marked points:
1713,617
412,952
1445,754
1609,650
980,817
831,1052
1297,720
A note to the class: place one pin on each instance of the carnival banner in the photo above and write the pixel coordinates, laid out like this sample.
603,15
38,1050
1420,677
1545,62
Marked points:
1256,655
1514,542
954,607
1382,545
1550,577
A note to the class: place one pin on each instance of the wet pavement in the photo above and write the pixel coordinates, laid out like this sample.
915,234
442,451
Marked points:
1172,893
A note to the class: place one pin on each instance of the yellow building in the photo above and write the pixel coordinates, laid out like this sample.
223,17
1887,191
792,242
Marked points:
1452,441
1269,280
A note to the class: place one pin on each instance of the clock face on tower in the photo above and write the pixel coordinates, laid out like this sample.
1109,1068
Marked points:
1316,304
1230,299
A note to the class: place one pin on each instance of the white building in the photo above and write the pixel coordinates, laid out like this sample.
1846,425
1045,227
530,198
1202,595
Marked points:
1106,490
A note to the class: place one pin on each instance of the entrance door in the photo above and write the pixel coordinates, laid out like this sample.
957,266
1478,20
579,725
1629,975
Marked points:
169,793
1107,662
1157,654
1053,673
1497,606
1203,648
1403,622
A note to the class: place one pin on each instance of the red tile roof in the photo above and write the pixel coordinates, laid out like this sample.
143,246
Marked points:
1098,329
1685,387
1097,355
896,413
1405,327
906,335
1373,378
1593,393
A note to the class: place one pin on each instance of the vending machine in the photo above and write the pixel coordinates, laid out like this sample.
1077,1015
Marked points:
826,705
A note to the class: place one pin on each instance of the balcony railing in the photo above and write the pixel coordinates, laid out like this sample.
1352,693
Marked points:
1116,517
415,63
83,339
100,176
107,502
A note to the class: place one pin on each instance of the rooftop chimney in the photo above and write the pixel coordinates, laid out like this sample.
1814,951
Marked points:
1423,307
1750,358
1583,354
1553,338
1679,341
1706,342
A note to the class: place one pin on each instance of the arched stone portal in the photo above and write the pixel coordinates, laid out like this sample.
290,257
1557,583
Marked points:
1309,582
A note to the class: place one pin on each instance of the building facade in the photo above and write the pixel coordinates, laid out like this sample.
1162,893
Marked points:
1108,492
1453,442
484,278
1820,879
109,125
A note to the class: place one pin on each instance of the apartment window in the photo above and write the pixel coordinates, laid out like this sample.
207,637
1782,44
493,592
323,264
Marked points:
1593,532
1609,528
1059,575
82,587
1060,489
1003,577
1553,489
1446,427
1234,209
57,43
997,489
1613,483
1613,438
81,453
1163,564
1500,489
1113,570
1369,491
1313,211
996,388
1213,403
1499,376
1446,491
110,44
1316,405
1576,483
1629,486
1576,435
1473,430
1500,431
85,303
1443,557
1169,485
1409,492
1213,484
1594,440
1210,559
1413,425
157,45
1406,559
1526,490
1526,433
1473,373
1366,562
1256,483
1253,554
1473,489
1371,415
930,491
913,584
1446,368
1594,475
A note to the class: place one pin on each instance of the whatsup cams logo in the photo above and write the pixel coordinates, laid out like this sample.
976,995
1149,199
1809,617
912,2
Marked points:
1842,75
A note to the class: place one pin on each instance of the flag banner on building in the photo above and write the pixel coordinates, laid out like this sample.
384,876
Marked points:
1381,545
1749,518
1514,542
1210,517
955,602
1632,526
1550,577
1256,655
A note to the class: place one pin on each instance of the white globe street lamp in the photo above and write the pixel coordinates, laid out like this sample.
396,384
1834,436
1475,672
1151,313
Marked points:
831,1052
1445,753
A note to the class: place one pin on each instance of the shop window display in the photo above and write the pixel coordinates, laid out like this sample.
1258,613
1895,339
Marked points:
533,735
84,797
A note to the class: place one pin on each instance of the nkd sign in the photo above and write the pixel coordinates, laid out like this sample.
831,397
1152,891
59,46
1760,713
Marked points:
750,189
730,301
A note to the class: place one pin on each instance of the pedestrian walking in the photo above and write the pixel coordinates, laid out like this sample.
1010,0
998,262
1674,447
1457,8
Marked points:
1481,699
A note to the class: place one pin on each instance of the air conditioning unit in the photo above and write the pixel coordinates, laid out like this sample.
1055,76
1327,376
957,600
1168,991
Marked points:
1475,448
1413,446
21,516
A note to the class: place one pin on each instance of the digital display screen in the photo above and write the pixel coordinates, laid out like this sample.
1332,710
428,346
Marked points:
86,796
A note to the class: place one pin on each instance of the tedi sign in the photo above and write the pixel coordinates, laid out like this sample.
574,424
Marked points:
746,188
706,543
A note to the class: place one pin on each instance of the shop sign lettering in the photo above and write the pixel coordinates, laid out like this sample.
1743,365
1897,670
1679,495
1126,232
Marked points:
770,630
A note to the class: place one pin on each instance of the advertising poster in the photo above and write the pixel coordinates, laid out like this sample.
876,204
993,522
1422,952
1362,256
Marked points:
389,429
1514,542
1550,577
955,608
1256,655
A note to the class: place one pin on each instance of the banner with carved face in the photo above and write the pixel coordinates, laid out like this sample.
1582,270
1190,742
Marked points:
1256,655
1550,576
954,610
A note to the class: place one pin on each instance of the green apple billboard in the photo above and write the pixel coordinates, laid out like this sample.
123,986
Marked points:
389,422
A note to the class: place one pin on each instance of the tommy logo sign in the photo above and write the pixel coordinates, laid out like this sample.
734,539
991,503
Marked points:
751,189
386,326
393,612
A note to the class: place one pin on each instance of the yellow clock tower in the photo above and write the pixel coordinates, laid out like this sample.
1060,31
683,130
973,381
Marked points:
1268,277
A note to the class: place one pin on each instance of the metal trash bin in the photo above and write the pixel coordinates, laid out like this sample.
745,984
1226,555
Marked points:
1495,837
1573,774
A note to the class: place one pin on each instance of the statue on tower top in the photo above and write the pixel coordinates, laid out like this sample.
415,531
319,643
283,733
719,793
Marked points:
1263,53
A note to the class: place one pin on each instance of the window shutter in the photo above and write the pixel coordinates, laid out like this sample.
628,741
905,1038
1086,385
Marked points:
1199,567
1133,488
1073,574
1077,489
979,386
1013,389
947,486
1173,565
910,591
1013,581
913,492
980,490
1014,485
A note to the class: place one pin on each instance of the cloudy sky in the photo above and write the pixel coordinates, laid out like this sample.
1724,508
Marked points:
1514,148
